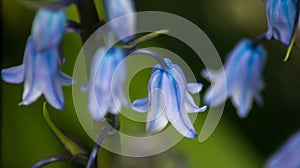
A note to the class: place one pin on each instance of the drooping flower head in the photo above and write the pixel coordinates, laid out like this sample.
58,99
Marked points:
126,26
106,83
42,60
41,74
282,19
169,100
287,155
244,81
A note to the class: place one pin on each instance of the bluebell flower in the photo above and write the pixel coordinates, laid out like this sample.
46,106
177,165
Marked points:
41,74
106,83
42,60
48,28
243,81
282,19
288,155
169,99
126,26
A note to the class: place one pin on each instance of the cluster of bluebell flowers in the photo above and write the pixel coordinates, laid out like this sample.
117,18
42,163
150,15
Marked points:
245,63
243,70
169,94
42,60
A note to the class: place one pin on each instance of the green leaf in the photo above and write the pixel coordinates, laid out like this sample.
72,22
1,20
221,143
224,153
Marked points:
70,144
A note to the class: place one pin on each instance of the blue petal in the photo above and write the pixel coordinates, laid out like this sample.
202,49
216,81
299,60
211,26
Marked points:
13,74
248,80
190,106
48,77
157,123
65,80
282,19
156,118
287,155
99,85
220,86
106,84
48,28
194,87
140,105
115,106
242,93
215,94
97,112
174,107
31,91
119,77
127,25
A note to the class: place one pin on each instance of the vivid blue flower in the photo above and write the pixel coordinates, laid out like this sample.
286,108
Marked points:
41,74
106,80
282,19
243,81
126,26
48,28
288,155
169,100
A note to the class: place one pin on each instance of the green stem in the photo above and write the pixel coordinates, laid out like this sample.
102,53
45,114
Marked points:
88,18
53,159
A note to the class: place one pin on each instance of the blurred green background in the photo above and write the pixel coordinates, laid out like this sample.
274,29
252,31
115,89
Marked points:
240,143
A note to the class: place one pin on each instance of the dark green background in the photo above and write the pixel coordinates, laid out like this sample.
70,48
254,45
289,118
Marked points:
25,137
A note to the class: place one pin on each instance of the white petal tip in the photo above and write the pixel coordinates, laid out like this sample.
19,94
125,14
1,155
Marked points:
242,114
140,105
202,109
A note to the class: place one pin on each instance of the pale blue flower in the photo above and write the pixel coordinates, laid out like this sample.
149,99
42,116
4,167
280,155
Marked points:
41,74
42,60
106,80
244,81
288,155
126,26
48,28
282,19
169,100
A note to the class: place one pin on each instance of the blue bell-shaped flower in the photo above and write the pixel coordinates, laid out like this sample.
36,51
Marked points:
124,29
106,83
169,99
282,18
243,70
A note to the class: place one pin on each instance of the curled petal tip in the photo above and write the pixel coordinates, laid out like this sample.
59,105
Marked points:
13,74
203,108
191,134
140,105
